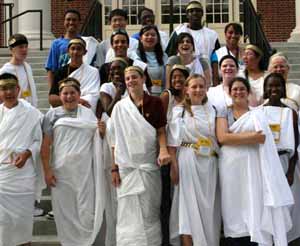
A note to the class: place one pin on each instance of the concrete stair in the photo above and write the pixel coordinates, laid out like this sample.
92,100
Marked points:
292,51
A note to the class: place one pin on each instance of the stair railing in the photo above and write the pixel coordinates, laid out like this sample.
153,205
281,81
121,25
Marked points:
4,7
93,23
40,11
254,32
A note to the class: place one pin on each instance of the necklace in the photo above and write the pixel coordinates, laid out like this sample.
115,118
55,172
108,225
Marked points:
26,92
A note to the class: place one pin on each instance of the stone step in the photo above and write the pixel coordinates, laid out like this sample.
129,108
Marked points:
38,65
294,60
44,226
294,67
45,204
41,71
42,94
293,53
40,79
43,105
45,241
284,44
294,75
32,59
295,81
5,51
42,86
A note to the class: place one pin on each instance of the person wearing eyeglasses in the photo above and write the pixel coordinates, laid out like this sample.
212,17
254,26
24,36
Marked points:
118,19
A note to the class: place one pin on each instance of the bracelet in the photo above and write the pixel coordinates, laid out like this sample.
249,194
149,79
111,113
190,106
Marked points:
115,170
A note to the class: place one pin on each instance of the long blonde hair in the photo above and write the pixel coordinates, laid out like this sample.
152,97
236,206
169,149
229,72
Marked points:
187,104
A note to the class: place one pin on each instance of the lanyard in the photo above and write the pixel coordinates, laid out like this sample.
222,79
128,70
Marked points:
27,78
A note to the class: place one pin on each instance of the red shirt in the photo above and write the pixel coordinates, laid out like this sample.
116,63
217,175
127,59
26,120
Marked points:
153,111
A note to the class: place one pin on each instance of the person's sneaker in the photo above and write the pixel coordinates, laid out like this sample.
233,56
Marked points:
38,212
50,215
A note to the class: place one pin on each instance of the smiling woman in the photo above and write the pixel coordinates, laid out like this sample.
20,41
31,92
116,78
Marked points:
150,51
219,95
185,47
135,171
76,173
192,143
248,164
233,33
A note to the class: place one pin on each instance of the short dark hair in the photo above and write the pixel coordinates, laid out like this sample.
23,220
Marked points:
181,36
242,80
142,10
236,27
8,76
274,76
118,12
73,11
229,57
119,32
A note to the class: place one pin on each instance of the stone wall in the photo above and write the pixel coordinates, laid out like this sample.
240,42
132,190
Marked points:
278,18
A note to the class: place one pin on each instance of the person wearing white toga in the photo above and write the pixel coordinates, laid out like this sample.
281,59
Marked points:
76,170
20,176
139,147
196,209
255,194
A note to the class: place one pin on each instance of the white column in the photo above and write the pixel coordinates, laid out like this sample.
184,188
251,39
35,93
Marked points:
29,24
295,35
14,12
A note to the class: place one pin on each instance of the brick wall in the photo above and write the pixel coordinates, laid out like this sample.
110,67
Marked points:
278,18
58,8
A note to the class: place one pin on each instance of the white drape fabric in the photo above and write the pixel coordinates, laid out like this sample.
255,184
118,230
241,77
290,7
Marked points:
255,195
139,195
89,79
79,196
27,83
218,97
287,143
196,203
20,129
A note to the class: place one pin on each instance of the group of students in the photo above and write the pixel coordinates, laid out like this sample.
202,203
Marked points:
129,168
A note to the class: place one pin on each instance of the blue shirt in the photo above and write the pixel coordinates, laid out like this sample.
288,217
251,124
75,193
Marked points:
58,54
136,35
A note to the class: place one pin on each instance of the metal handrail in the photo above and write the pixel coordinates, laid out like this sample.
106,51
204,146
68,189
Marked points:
253,31
30,11
10,5
93,21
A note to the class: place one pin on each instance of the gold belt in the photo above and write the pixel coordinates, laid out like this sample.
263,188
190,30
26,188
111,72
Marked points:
195,146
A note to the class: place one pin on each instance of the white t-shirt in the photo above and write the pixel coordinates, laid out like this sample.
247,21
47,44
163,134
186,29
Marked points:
23,77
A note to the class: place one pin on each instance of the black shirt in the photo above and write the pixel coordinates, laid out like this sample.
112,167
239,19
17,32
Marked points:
59,75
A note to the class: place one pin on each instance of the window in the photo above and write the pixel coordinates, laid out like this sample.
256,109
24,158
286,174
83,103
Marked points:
107,9
179,15
132,7
241,11
217,11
